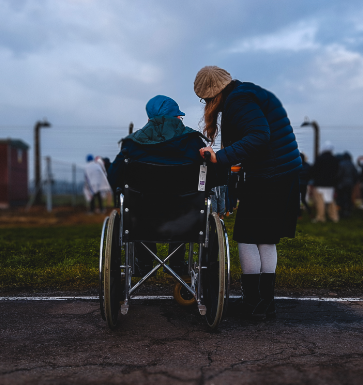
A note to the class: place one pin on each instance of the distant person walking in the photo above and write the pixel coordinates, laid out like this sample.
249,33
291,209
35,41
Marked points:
96,183
360,179
324,174
304,178
346,179
257,134
219,200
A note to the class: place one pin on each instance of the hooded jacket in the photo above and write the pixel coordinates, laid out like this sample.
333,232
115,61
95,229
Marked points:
256,132
163,140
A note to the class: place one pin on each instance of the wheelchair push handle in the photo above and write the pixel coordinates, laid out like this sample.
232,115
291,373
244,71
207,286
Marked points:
207,155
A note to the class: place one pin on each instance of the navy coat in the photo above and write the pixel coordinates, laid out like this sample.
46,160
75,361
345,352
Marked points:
256,132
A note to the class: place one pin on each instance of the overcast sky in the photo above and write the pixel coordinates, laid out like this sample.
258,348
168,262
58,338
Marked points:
90,66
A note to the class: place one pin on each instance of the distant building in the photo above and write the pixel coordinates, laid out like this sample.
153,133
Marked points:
13,173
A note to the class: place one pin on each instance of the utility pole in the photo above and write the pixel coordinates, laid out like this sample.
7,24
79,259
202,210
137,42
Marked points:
131,128
74,185
49,184
38,188
316,128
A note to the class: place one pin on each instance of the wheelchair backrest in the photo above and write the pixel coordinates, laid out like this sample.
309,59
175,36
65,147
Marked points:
162,203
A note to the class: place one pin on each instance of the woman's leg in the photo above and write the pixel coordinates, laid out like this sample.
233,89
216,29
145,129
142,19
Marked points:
258,263
268,255
250,279
256,259
249,257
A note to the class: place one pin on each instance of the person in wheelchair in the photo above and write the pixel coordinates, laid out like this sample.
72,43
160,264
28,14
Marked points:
163,140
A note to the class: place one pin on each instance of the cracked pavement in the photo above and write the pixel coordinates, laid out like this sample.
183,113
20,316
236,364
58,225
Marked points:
160,342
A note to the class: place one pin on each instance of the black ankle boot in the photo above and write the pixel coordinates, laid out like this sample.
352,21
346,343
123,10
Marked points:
267,292
252,303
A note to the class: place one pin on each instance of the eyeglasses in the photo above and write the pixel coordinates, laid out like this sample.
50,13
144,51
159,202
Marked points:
181,118
206,100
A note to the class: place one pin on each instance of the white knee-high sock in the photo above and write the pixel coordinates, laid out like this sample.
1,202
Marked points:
249,257
268,255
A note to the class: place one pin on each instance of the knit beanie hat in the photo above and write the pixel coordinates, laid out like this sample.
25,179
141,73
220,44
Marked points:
210,81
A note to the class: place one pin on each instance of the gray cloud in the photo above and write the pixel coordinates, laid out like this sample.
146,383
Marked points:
89,63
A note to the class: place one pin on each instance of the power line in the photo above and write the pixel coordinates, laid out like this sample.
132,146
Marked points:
4,126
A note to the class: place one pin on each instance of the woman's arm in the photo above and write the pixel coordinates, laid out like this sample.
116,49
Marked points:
244,115
213,158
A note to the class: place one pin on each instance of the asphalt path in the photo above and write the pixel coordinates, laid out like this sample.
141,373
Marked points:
160,342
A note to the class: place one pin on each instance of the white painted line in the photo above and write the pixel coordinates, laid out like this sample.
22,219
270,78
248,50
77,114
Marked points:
323,299
138,297
165,297
46,298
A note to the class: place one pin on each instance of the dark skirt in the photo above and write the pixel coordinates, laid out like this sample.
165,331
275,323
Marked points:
267,210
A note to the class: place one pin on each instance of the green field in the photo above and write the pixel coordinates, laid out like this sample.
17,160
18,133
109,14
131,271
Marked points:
321,256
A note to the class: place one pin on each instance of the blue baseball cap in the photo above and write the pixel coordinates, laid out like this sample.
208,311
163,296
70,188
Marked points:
89,158
161,105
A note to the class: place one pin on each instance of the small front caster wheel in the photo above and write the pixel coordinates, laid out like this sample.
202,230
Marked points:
182,295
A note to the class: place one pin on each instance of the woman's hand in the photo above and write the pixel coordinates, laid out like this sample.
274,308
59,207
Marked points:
213,157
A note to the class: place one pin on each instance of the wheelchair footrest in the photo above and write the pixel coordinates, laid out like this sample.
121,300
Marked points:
202,309
124,309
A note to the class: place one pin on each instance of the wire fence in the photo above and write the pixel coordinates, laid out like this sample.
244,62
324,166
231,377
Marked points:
67,179
61,184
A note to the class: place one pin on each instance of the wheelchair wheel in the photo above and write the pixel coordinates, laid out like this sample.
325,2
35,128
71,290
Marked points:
213,277
101,271
182,295
227,269
112,272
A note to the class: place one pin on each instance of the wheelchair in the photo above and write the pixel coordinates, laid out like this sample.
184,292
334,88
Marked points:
165,204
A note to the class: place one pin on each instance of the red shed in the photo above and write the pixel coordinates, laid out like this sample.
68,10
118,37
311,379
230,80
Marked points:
13,173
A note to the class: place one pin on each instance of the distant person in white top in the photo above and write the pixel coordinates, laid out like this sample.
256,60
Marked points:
324,174
96,183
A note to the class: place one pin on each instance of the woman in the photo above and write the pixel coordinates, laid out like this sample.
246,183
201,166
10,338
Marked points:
256,133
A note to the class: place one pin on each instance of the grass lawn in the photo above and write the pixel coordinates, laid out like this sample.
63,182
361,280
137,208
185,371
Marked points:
326,255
